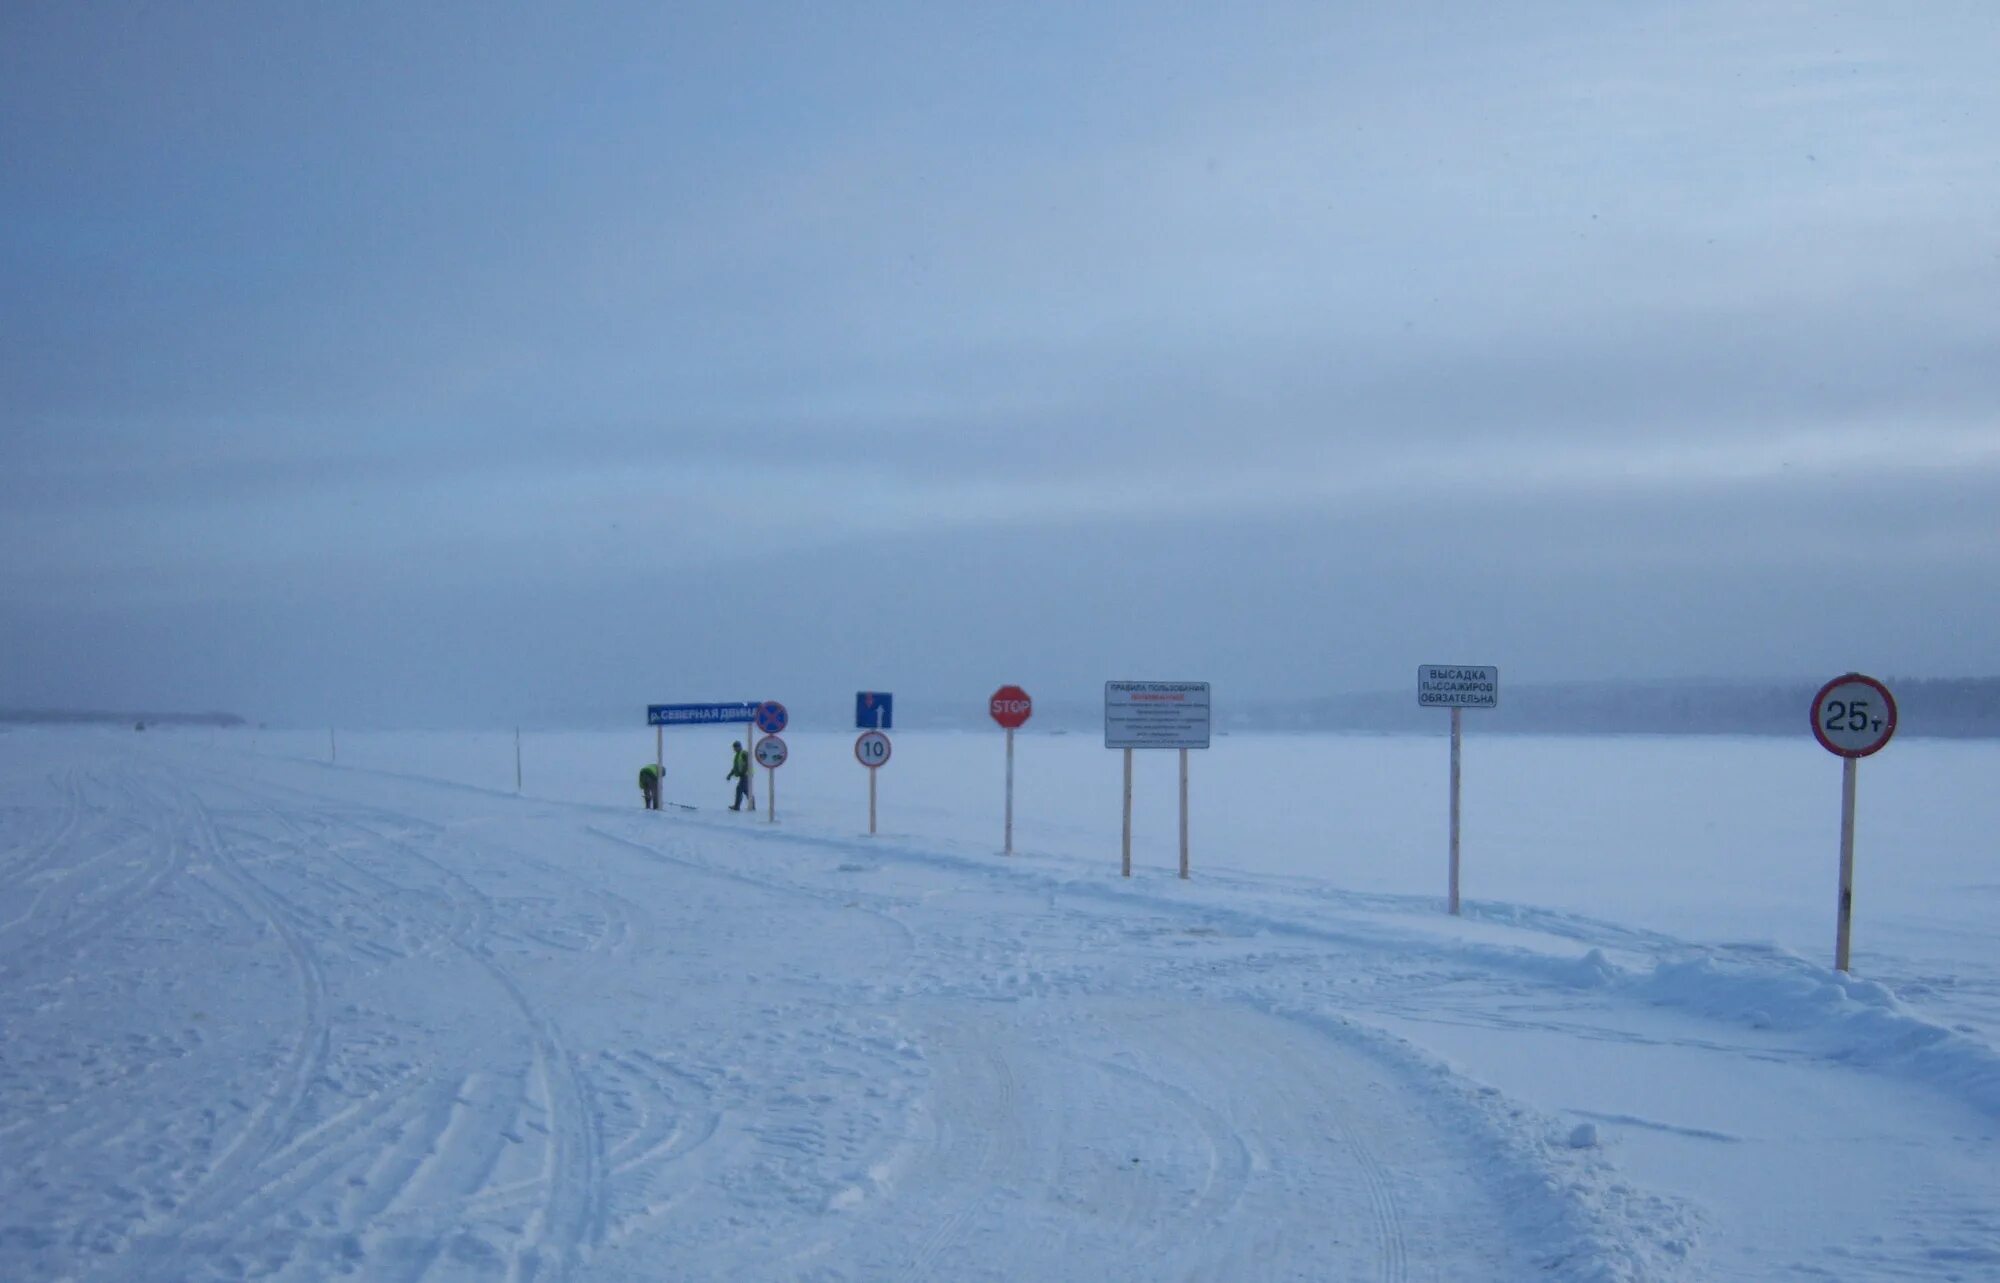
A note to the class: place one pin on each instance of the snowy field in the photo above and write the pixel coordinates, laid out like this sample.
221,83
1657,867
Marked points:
270,1018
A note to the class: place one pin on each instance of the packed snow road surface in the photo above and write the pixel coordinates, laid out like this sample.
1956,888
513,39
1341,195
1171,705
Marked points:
270,1020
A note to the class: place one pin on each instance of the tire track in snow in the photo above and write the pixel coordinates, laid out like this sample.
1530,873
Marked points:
1229,1156
271,1165
973,1139
570,1220
570,1216
313,1159
229,1179
649,1144
33,856
77,917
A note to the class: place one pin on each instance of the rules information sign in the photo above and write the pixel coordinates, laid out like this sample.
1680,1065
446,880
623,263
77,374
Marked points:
1458,686
1156,714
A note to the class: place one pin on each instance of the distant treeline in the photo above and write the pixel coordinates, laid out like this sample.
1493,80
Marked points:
1952,707
72,717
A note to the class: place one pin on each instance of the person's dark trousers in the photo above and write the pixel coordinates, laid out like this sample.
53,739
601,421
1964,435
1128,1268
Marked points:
742,792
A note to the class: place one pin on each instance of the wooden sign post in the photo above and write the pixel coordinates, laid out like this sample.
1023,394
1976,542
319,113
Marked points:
1456,687
1853,717
871,749
1011,707
771,754
1156,715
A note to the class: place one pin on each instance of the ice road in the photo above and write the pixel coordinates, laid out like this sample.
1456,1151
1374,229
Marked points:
266,1019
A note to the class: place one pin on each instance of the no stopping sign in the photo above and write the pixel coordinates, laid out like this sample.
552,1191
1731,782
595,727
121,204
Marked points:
1853,716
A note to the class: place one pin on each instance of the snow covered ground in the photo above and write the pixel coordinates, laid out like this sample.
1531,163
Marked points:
264,1017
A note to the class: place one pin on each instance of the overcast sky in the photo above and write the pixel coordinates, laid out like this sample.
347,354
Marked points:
414,364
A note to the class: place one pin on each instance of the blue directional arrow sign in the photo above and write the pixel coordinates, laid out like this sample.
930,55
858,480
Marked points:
874,711
700,714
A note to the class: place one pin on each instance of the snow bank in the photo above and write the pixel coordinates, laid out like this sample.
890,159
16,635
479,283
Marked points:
1854,1021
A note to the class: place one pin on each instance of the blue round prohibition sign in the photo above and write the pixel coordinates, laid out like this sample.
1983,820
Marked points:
772,717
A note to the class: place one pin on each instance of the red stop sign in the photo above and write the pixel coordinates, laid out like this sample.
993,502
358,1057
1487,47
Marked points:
1010,706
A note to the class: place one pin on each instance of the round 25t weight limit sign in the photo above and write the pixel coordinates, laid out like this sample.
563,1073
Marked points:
1853,716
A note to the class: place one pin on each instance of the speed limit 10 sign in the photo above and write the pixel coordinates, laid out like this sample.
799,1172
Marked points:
871,749
1853,716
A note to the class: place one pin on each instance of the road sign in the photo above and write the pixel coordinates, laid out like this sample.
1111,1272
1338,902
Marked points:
699,714
771,752
1156,714
1458,686
771,717
1011,707
874,711
1853,716
871,749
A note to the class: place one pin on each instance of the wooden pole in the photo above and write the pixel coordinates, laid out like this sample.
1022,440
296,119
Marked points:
1009,849
770,795
1843,933
1184,817
750,772
332,749
871,799
517,759
1455,716
1128,813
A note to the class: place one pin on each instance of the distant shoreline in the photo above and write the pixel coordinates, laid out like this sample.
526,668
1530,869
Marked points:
74,717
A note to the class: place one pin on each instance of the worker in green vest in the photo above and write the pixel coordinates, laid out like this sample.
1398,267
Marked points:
649,786
739,770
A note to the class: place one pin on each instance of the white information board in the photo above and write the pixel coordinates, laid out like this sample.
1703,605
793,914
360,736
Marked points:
1458,686
1156,714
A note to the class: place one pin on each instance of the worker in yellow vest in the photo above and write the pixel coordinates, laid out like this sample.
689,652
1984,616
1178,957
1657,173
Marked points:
739,770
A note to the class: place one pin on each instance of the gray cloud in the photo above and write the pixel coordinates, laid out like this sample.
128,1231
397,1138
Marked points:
382,360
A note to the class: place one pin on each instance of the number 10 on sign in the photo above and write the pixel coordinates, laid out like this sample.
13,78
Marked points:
871,749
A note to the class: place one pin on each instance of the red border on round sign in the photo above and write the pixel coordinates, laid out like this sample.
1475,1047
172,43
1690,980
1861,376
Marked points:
782,748
1888,726
888,750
